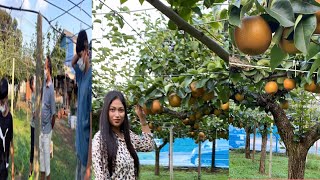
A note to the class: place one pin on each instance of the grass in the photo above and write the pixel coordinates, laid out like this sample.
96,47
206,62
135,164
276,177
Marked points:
242,168
147,173
63,164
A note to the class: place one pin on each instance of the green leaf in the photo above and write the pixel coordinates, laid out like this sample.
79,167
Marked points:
304,7
185,13
246,8
223,93
208,3
257,77
318,78
197,11
167,88
141,101
193,71
231,34
120,21
259,7
97,21
175,79
304,31
123,1
194,45
277,36
237,3
250,73
273,23
277,55
181,93
172,25
202,82
234,16
314,66
263,62
224,14
100,6
312,50
282,11
124,9
235,77
187,81
141,1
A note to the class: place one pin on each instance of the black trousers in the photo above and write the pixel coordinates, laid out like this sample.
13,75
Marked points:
32,145
4,174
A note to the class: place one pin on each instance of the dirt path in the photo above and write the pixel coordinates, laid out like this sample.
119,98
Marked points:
65,133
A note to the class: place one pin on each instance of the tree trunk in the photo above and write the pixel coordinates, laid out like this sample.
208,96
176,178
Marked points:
297,151
247,148
262,169
254,141
297,161
16,94
157,162
157,168
38,97
213,158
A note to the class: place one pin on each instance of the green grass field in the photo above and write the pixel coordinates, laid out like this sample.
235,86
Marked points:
63,163
147,173
242,168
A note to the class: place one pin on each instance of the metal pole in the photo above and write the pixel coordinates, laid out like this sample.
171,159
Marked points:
12,85
316,147
276,144
171,153
270,157
199,160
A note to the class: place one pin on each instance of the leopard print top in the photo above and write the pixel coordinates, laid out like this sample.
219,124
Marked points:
124,165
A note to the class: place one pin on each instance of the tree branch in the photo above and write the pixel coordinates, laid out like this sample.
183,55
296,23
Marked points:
180,115
283,124
182,24
165,141
237,63
275,76
312,135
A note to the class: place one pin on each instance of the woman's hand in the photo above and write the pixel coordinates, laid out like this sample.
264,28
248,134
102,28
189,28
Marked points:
142,116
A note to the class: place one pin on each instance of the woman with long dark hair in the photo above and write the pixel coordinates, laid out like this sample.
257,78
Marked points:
114,147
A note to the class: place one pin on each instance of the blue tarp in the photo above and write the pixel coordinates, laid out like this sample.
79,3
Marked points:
185,154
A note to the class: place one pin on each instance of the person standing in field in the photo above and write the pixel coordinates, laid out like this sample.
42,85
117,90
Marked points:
6,132
48,111
82,67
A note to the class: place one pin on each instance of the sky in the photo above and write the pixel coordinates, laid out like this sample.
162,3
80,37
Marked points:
27,20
